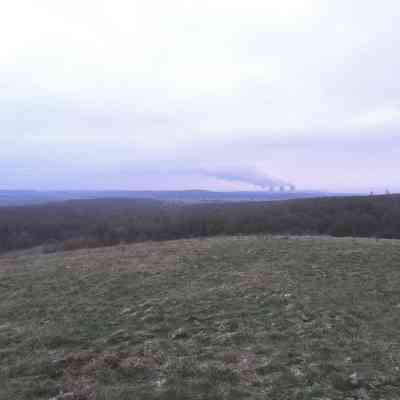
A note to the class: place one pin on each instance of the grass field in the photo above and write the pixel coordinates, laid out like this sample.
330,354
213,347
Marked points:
223,318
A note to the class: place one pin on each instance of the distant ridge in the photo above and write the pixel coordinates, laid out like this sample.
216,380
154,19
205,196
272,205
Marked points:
29,197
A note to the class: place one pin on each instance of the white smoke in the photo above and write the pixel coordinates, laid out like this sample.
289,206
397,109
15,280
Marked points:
246,174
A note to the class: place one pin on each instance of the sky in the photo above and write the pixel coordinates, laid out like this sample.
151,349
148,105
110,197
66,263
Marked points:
190,94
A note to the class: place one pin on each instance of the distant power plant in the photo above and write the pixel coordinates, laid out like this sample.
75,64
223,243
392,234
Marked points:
286,187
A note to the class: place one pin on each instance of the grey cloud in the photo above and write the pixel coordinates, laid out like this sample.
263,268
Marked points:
271,98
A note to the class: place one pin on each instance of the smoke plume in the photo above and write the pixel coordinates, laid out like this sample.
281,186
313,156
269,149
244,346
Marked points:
248,175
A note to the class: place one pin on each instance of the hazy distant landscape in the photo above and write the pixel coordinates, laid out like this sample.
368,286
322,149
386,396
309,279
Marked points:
21,197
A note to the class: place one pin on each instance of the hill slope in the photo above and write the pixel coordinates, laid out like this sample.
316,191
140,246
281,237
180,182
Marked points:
224,318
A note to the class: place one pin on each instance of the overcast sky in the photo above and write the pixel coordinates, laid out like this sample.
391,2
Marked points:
153,94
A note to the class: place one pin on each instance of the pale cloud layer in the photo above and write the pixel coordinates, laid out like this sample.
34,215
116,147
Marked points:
152,94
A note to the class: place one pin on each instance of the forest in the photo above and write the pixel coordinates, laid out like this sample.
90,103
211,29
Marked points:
102,222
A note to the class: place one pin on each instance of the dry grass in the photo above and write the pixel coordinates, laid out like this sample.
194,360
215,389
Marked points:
224,318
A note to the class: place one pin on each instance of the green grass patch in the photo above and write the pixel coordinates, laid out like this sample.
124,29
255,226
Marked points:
248,317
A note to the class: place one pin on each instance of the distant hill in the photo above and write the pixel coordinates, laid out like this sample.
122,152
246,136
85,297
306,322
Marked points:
27,197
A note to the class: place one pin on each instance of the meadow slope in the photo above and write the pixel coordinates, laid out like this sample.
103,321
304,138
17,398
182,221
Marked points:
249,317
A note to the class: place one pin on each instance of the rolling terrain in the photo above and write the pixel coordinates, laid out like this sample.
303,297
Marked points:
242,317
28,197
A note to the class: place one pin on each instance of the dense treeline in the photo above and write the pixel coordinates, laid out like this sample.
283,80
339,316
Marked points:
90,223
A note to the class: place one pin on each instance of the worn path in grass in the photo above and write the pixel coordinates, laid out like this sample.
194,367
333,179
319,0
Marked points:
223,318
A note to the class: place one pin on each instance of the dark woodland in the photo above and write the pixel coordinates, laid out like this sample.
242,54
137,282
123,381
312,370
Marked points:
103,222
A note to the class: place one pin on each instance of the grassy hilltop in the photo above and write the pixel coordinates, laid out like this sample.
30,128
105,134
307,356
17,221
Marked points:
249,317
